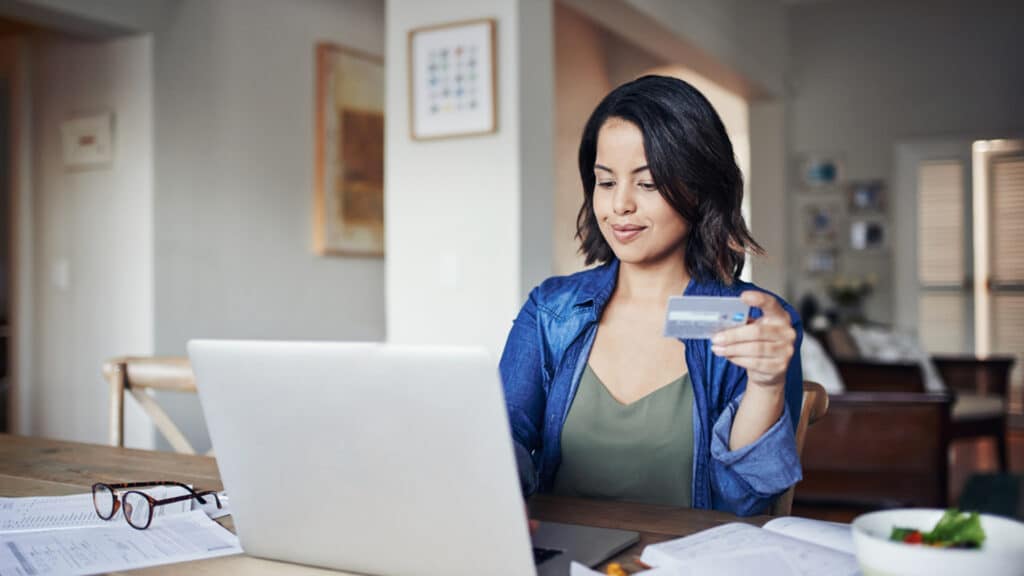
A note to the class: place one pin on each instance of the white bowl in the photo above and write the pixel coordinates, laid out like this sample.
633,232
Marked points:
1002,553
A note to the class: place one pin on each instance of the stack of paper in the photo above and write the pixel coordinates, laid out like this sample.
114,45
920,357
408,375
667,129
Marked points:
63,535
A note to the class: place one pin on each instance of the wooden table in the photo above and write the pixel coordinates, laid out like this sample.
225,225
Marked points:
43,467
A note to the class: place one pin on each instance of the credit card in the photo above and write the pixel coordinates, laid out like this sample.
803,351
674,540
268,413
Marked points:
699,317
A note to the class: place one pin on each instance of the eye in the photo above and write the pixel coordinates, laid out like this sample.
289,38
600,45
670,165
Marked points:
648,186
607,184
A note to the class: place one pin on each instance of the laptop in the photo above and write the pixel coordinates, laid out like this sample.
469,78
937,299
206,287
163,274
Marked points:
377,459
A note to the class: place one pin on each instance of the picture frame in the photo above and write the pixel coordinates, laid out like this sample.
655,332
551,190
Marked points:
87,142
348,205
453,80
821,261
821,223
868,235
866,195
820,171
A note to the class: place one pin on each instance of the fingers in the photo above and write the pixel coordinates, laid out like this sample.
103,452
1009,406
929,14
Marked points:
768,304
763,347
761,369
756,349
754,332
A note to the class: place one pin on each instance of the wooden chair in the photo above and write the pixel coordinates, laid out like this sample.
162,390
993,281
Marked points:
139,375
982,387
878,450
874,376
813,408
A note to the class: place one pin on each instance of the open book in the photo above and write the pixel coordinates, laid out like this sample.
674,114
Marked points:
785,546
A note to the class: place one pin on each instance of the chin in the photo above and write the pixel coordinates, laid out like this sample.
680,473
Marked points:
641,255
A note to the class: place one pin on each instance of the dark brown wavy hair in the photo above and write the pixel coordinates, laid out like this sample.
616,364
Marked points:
691,160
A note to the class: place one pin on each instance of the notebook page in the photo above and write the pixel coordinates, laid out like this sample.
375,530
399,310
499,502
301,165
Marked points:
738,549
831,534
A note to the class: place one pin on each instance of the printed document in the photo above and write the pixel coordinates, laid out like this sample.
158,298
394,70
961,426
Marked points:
75,511
115,546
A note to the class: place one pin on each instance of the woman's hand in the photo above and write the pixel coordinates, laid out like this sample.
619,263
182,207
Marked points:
764,347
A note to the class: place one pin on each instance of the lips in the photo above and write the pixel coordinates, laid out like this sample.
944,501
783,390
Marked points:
626,232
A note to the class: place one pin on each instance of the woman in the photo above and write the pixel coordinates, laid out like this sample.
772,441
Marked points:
586,363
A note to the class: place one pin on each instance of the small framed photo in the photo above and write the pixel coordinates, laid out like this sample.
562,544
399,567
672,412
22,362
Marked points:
820,223
821,261
868,235
819,171
866,195
87,142
452,80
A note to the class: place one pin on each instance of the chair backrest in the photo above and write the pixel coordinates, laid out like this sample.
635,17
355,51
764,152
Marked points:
139,375
879,450
981,376
813,408
874,376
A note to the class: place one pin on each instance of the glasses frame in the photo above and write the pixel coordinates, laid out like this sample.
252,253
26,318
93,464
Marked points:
153,502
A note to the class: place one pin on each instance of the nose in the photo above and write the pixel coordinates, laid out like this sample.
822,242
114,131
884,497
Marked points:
623,202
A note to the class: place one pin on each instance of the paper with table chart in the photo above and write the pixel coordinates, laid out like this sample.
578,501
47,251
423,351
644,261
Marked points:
115,546
74,511
63,535
738,549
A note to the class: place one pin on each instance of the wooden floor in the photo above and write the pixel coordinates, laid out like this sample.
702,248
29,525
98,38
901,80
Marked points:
967,457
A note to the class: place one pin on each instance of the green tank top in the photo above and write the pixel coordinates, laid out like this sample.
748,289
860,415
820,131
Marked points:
641,452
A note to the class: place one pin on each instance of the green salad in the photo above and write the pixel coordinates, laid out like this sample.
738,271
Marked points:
955,530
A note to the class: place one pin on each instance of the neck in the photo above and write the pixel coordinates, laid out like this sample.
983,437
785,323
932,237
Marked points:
652,282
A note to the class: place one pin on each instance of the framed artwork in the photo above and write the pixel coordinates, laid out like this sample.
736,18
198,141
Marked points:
866,195
452,80
349,158
87,142
820,223
867,235
820,171
820,261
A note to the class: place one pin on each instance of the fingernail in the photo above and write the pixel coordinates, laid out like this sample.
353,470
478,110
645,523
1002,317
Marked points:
716,339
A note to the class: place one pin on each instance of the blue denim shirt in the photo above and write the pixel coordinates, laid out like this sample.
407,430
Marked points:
545,355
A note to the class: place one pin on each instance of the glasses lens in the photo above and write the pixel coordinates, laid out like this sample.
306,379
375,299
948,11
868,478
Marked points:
103,500
136,509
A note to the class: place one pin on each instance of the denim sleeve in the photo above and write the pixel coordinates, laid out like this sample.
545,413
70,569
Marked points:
748,479
522,376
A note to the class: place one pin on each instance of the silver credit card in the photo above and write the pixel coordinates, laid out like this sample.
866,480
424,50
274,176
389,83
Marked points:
698,317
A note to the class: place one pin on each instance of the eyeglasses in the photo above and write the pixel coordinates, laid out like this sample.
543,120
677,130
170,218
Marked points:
138,506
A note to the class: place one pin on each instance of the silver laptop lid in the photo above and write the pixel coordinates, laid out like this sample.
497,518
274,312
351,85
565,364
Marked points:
374,458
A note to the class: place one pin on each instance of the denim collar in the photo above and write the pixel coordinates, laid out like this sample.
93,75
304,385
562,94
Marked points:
595,294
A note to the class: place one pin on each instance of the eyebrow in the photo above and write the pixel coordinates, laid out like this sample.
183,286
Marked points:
607,169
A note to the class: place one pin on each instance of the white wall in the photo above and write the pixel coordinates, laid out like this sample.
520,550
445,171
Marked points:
97,226
869,74
458,209
746,36
234,83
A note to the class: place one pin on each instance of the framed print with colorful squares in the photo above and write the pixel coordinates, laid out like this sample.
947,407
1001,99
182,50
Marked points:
452,78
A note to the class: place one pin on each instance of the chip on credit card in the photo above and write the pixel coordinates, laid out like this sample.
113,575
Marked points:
699,317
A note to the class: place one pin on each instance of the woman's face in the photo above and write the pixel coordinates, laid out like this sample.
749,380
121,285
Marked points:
635,220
